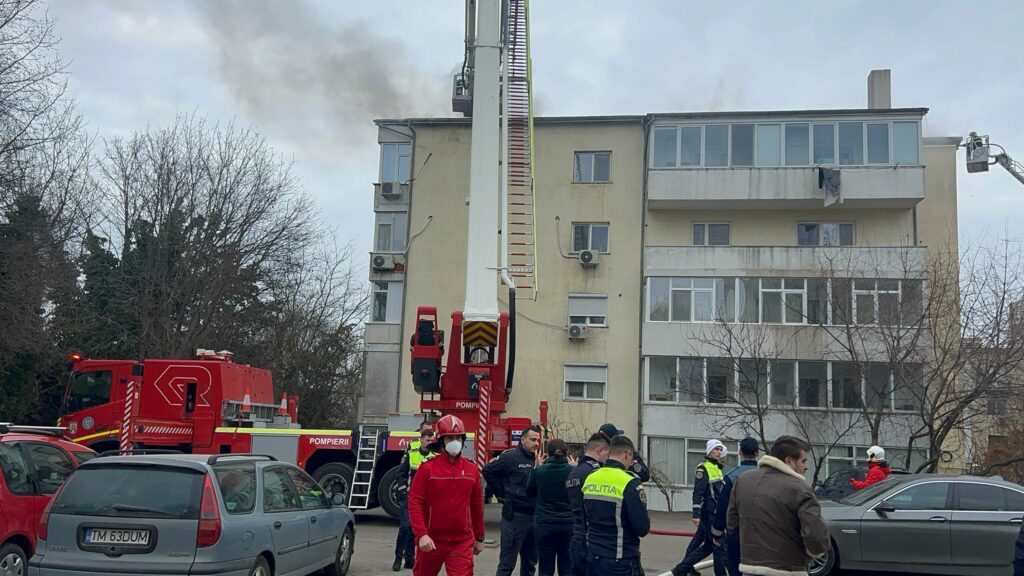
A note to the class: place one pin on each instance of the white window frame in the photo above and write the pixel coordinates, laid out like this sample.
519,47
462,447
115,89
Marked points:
588,320
397,223
783,123
399,154
821,232
874,293
590,235
692,295
587,383
784,291
578,178
707,231
378,288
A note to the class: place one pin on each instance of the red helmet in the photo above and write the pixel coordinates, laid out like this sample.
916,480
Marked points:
449,426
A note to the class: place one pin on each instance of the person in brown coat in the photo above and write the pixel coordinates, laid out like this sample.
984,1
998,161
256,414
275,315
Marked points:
777,515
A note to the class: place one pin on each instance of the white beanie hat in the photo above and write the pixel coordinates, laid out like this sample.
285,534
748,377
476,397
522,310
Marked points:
877,452
712,444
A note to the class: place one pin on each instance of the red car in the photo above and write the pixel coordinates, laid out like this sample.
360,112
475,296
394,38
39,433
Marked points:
35,461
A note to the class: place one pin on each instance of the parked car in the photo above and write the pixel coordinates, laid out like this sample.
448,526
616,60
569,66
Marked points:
227,514
935,524
837,486
34,462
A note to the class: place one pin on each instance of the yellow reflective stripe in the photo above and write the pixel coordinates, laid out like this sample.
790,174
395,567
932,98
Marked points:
607,483
405,434
285,431
97,435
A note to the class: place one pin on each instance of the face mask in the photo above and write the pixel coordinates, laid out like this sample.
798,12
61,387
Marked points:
453,447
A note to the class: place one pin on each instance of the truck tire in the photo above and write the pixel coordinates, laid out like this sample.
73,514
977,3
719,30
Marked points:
387,493
335,478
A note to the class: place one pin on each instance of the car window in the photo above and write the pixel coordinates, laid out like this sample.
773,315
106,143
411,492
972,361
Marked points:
237,486
89,389
52,465
981,497
930,496
867,494
15,470
1014,501
84,457
311,495
132,491
278,493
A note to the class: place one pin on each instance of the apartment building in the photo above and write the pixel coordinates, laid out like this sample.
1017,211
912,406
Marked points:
728,263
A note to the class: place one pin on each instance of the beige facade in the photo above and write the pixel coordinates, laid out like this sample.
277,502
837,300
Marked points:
670,267
434,270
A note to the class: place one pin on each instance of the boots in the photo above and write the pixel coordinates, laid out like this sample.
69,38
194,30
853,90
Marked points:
397,565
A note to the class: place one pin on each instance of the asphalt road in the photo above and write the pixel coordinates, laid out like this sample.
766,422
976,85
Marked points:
375,544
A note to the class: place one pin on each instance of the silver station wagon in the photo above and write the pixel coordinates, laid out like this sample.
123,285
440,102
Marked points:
181,514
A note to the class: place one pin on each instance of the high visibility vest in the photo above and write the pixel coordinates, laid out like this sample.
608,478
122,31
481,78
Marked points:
603,493
417,458
714,472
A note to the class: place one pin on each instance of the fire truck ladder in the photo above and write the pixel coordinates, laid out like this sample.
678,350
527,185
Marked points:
366,461
521,238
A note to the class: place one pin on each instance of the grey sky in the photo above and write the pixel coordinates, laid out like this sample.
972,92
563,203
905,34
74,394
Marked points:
312,75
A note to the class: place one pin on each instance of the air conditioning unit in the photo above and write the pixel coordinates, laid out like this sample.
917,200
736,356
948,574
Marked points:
589,258
383,262
577,332
391,190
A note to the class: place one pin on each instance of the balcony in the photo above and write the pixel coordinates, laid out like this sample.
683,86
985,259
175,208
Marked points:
782,188
783,261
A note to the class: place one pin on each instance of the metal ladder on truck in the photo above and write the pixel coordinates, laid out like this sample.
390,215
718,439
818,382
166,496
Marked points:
366,460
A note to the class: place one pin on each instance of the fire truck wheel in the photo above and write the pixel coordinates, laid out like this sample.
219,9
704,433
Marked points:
336,478
388,495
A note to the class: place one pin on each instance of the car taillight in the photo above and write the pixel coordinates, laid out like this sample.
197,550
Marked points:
209,516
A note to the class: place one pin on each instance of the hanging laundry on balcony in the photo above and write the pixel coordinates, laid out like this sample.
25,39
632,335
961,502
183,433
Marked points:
828,180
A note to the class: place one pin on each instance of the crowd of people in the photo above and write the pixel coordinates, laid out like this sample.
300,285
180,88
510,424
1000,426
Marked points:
586,516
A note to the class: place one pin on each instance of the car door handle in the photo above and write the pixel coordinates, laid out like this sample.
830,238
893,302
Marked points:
277,525
937,519
1015,520
312,519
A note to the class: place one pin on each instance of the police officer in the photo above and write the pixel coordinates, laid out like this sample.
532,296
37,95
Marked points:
416,453
707,486
616,514
639,467
731,540
508,475
595,454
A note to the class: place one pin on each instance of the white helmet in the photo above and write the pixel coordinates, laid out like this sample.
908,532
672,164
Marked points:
876,453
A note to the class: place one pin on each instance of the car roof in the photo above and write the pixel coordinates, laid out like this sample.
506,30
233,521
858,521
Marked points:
197,462
905,478
24,436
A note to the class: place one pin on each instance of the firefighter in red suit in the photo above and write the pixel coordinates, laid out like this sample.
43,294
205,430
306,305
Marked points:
878,469
446,507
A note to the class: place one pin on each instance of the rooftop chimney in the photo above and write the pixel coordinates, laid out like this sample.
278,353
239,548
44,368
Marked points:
880,89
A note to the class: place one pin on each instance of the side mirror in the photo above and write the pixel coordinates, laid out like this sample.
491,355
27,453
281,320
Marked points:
885,506
337,500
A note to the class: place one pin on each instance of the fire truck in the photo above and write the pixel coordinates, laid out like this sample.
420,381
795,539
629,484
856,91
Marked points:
213,405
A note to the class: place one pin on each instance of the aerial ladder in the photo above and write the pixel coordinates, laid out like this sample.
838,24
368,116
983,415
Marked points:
980,156
493,88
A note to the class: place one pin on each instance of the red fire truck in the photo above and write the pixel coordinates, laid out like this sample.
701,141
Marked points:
212,405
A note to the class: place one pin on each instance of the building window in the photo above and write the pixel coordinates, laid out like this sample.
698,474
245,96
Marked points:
592,167
391,231
588,236
906,144
876,299
671,379
812,384
589,309
395,162
798,144
386,302
690,299
742,149
663,453
585,382
846,385
824,234
790,144
710,234
769,144
783,300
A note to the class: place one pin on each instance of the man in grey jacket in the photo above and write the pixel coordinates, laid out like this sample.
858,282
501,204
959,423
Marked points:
777,515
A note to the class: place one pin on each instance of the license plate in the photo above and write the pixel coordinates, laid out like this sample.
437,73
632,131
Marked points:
118,536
